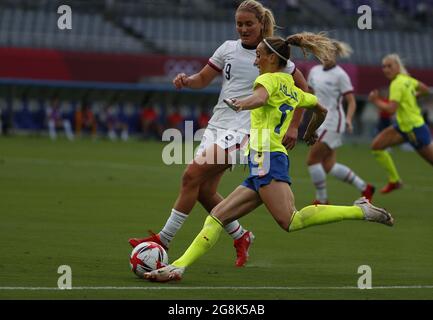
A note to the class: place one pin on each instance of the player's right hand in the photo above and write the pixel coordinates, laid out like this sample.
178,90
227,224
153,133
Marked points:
180,81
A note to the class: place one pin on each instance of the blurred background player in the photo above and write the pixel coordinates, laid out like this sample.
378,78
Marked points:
410,126
227,131
57,120
114,123
330,83
150,125
85,119
272,104
175,119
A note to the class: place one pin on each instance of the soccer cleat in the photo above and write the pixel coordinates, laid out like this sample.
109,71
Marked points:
369,192
154,237
242,245
317,202
391,186
372,213
165,274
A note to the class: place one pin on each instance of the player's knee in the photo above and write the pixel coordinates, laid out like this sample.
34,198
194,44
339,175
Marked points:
376,145
327,166
190,177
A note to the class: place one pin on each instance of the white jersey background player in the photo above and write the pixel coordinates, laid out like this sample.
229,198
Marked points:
227,130
331,84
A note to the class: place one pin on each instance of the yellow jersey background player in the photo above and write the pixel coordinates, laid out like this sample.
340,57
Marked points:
273,102
410,126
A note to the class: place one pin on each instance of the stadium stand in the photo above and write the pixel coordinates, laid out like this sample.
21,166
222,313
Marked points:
122,32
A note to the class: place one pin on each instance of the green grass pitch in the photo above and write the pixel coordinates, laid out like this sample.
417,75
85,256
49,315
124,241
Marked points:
78,203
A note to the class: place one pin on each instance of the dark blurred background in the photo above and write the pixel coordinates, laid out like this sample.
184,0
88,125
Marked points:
110,75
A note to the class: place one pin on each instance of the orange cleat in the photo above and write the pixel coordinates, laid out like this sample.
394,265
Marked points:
391,186
154,237
368,192
242,246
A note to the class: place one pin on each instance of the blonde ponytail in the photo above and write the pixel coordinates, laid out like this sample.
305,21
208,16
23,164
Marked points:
269,24
343,49
318,44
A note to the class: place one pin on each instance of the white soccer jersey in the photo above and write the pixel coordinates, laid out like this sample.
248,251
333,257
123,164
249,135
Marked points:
237,66
330,86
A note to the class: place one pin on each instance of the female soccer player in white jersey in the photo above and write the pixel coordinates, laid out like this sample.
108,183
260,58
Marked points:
227,131
330,83
410,126
273,102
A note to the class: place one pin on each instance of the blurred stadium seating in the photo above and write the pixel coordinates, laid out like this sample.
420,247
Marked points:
128,51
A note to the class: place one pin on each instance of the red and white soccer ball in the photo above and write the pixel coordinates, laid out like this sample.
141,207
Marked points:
146,257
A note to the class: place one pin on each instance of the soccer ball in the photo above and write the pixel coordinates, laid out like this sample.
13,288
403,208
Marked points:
146,257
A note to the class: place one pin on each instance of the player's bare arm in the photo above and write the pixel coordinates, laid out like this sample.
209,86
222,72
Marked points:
317,119
196,81
351,109
256,100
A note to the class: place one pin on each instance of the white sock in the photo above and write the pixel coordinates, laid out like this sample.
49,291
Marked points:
344,174
172,226
112,135
52,129
234,229
318,176
124,135
68,129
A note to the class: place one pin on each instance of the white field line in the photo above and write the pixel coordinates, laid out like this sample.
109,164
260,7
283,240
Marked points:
215,288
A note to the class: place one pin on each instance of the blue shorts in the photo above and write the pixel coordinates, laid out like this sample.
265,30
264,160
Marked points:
274,166
418,137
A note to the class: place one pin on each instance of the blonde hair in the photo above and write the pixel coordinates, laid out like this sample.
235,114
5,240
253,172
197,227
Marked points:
318,44
263,14
398,60
342,49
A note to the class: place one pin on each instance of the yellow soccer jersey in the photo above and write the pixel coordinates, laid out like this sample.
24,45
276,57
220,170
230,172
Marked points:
403,91
269,123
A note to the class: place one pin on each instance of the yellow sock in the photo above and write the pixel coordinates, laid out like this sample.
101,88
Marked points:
316,215
385,160
204,241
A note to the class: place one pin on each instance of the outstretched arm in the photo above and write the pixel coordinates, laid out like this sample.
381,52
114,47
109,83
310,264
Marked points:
196,81
256,100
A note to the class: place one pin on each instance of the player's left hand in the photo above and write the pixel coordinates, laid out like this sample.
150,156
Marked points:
312,139
349,126
290,138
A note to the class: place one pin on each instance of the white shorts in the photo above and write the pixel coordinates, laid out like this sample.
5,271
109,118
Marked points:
331,138
233,142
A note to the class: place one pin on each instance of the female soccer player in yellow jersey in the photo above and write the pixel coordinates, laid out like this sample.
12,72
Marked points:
273,102
227,131
410,125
